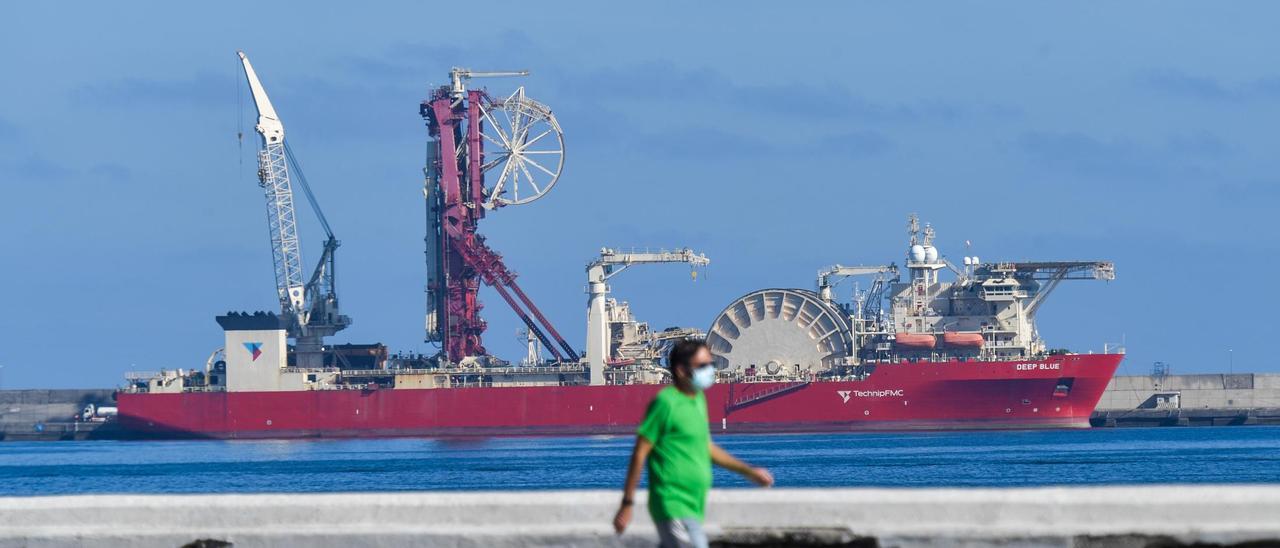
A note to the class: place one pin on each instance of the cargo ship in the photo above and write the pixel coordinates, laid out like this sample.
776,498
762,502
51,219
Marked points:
911,351
944,355
1057,392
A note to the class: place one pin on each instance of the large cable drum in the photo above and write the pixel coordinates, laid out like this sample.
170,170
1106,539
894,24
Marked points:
777,329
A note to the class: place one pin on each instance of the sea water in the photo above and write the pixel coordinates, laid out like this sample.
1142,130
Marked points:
1246,454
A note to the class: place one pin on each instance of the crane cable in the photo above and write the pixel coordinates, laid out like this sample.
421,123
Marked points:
240,122
306,188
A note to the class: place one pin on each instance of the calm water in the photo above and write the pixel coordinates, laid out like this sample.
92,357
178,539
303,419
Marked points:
999,459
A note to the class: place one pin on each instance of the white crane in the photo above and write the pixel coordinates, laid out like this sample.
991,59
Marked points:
867,305
458,77
826,275
310,305
608,265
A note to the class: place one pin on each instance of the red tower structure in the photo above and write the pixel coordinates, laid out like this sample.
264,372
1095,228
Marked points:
527,154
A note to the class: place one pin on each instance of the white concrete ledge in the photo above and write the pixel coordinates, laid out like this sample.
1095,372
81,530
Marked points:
1092,516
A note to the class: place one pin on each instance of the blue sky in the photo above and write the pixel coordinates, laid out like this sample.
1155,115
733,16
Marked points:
778,139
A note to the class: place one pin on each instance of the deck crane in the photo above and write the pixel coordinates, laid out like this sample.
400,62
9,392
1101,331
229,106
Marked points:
310,305
867,305
828,277
610,264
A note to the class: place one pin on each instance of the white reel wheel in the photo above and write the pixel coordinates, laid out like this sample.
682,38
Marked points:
776,330
524,150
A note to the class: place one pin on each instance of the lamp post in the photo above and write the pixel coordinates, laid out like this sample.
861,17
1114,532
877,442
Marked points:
1231,361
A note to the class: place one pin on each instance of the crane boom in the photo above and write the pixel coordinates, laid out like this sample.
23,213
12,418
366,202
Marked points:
459,76
826,275
269,125
612,262
273,177
606,266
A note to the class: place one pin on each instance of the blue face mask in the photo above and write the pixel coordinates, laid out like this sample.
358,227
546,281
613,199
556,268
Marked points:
704,377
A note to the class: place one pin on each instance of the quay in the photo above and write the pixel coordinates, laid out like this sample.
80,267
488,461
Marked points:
52,414
1113,517
1190,400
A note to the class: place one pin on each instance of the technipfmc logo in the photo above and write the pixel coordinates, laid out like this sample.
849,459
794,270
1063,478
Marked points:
254,348
891,393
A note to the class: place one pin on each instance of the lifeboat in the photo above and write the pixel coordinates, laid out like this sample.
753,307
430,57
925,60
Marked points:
956,338
916,340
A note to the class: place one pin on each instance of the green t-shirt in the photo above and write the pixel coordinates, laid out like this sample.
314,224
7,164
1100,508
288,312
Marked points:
680,463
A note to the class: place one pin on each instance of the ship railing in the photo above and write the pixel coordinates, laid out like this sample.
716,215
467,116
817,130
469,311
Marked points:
470,371
339,386
140,375
938,358
743,378
204,389
310,370
894,359
511,384
491,384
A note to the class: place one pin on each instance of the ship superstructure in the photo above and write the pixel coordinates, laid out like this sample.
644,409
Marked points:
986,312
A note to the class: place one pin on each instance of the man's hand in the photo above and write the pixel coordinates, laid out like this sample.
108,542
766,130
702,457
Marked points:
760,476
623,518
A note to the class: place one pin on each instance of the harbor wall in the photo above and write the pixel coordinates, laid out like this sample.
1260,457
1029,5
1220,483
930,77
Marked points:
41,414
1208,391
1115,517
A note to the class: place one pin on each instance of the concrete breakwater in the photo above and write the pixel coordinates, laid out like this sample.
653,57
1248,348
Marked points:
1206,391
41,414
1190,400
1118,517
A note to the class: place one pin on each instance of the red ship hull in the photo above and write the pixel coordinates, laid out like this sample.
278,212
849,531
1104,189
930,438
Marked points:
908,395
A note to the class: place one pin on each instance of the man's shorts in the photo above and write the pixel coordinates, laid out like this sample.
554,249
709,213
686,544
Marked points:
682,533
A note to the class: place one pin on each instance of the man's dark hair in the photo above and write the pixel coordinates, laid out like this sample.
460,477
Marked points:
683,351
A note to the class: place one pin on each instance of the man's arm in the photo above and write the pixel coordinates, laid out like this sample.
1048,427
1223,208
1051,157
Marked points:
638,456
723,459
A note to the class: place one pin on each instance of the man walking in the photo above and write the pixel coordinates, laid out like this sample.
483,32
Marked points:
676,441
